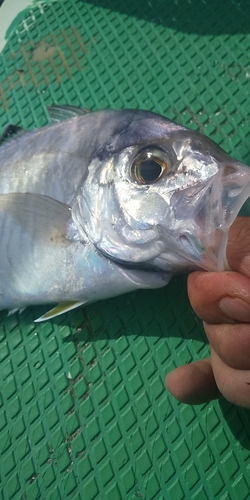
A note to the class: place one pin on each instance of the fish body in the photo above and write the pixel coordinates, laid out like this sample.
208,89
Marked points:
103,203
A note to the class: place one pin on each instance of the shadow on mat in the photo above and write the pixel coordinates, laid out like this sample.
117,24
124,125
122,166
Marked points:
238,421
194,16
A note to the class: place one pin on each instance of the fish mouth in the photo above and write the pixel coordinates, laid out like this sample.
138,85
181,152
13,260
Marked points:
205,213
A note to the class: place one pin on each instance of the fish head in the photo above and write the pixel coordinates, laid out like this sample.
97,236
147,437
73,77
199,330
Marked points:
160,196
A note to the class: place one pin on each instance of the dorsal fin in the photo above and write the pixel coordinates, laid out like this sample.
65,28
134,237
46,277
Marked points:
64,112
10,132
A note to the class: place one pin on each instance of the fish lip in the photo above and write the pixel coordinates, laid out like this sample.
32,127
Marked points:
211,209
233,181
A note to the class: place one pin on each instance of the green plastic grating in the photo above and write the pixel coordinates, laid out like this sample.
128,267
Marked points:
83,409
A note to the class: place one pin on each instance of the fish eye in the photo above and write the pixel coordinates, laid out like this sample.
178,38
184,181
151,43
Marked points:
149,166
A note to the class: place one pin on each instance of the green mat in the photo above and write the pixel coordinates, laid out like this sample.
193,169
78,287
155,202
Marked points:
84,413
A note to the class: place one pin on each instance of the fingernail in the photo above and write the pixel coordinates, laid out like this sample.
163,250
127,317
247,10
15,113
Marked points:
236,309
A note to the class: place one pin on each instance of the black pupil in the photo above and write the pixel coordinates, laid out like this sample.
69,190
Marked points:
150,170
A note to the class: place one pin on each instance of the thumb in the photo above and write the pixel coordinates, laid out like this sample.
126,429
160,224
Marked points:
220,297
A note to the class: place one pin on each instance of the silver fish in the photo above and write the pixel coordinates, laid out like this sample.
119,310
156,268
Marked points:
99,204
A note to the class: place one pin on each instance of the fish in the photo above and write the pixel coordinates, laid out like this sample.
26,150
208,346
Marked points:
97,204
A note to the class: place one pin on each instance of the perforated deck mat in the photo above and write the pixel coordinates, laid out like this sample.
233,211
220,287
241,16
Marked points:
83,409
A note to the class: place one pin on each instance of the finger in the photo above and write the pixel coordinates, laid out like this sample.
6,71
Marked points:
238,247
220,297
193,383
231,343
233,384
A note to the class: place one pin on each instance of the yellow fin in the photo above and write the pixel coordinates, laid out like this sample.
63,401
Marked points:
61,308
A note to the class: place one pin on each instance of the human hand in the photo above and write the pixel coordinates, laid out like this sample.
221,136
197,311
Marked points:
222,300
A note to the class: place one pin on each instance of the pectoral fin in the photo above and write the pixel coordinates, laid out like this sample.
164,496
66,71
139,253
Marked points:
60,309
45,219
